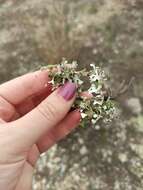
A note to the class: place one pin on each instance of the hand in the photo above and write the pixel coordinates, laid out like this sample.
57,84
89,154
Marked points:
32,119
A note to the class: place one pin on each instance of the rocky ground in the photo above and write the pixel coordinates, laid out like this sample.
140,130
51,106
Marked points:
108,33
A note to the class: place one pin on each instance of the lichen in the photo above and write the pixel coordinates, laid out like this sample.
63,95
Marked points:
93,102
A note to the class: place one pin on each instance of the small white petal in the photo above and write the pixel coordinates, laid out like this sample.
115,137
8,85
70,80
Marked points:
83,115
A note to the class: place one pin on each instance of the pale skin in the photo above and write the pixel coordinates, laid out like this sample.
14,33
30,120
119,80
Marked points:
32,119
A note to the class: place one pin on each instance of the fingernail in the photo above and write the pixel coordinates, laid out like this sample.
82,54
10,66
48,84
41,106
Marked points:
67,91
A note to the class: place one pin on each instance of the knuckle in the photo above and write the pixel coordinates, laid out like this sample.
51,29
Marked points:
28,86
48,110
6,139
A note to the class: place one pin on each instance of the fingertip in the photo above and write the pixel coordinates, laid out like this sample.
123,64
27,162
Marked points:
42,75
86,95
75,117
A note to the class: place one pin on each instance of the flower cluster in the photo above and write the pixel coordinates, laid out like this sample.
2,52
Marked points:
93,101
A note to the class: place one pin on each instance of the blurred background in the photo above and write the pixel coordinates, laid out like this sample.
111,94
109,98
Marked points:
108,33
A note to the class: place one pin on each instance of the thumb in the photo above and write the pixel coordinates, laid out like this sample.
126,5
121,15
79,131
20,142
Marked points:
46,115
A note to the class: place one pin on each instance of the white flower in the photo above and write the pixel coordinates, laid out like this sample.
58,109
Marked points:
93,121
95,116
94,77
105,107
98,102
83,115
78,80
74,64
94,89
52,81
92,65
97,74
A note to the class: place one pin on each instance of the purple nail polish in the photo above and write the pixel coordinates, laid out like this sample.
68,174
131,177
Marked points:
67,91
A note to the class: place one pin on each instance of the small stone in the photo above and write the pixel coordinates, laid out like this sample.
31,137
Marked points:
133,147
123,157
117,185
141,43
80,140
77,178
94,51
97,127
83,150
84,169
134,105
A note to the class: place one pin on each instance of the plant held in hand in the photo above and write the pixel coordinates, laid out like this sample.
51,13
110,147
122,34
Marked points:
93,101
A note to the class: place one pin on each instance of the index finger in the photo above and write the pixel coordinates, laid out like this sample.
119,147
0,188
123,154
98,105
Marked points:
18,89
